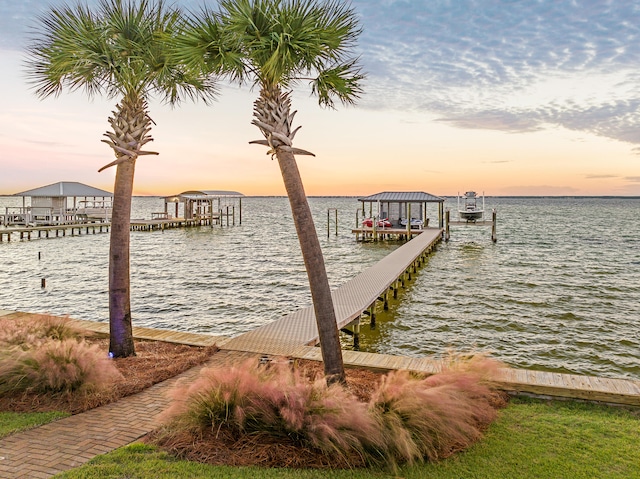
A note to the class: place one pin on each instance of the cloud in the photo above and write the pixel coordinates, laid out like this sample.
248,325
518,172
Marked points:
632,179
482,64
509,66
600,177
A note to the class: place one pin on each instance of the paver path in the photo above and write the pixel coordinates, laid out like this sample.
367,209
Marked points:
67,443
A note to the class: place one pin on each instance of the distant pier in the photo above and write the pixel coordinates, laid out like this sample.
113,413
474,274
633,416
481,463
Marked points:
53,231
77,229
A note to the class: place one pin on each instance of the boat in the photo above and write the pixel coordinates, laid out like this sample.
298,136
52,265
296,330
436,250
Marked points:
94,210
416,223
470,210
381,223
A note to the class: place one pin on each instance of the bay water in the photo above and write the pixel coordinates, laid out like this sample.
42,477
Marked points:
559,290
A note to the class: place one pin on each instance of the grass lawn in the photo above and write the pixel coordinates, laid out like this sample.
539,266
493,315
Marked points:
531,439
13,421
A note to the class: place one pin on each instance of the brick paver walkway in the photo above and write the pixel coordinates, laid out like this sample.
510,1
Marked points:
70,442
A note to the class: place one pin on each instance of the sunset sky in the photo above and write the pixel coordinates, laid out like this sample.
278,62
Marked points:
506,97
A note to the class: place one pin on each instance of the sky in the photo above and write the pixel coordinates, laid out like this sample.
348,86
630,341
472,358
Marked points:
504,97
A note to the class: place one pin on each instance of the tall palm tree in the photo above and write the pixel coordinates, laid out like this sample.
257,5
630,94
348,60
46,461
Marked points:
275,44
122,50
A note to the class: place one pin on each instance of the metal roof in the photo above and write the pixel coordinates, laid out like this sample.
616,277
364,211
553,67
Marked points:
65,189
202,195
205,194
404,197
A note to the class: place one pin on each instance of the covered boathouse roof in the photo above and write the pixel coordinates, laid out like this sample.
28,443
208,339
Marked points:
202,195
65,189
403,197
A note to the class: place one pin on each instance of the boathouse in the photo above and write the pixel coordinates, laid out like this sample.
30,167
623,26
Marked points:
215,205
58,203
402,206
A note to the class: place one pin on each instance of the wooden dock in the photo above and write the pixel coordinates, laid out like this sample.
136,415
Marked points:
351,300
516,381
73,229
77,229
168,223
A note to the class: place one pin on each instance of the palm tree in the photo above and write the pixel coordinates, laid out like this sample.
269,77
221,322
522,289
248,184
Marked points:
123,50
276,44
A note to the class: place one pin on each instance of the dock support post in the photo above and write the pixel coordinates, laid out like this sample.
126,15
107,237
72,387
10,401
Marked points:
447,216
356,336
494,236
335,210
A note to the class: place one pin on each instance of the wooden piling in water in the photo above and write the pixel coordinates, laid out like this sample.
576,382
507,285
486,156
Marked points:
494,236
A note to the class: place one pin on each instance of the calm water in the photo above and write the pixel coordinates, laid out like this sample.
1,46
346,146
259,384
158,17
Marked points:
559,291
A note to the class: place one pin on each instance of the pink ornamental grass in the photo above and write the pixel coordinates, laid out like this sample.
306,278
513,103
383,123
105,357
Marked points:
407,419
33,330
56,366
279,401
430,418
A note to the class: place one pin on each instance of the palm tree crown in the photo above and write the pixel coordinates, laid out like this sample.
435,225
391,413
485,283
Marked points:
121,50
280,42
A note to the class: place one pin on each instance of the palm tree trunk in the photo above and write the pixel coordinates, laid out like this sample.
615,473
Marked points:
316,271
120,328
131,125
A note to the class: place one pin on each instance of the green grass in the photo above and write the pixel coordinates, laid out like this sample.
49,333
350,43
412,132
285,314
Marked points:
531,439
11,422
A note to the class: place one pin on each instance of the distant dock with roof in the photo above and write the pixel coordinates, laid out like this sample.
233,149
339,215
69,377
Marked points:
72,208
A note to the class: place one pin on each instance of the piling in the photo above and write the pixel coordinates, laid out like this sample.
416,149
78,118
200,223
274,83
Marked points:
447,217
494,236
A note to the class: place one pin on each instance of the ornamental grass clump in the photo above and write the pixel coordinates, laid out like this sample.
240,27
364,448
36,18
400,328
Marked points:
433,417
46,356
405,418
32,330
280,402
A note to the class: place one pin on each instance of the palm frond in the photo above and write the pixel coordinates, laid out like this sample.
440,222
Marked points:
343,82
204,47
123,48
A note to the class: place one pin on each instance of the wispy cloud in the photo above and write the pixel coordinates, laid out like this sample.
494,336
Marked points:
504,65
517,66
600,177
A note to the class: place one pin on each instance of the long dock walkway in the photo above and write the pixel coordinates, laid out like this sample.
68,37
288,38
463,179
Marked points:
350,300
